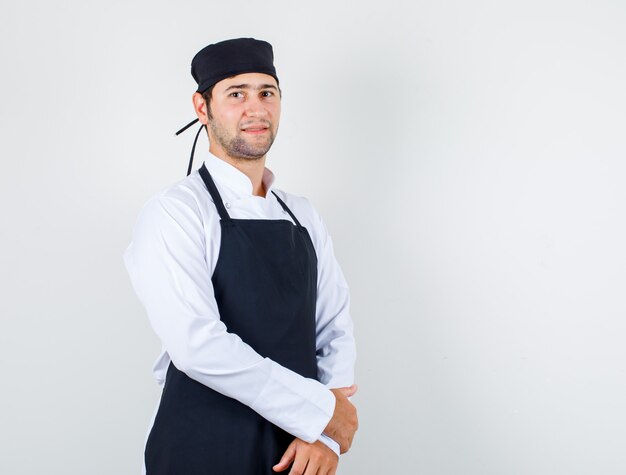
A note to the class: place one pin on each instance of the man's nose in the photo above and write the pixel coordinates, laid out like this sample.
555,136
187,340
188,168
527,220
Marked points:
255,107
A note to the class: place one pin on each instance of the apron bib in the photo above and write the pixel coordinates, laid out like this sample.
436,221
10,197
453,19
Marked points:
265,284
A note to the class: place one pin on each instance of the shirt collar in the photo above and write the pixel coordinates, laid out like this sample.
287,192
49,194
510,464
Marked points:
229,176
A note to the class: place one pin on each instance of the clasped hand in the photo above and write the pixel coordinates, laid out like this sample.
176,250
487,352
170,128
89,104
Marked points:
317,458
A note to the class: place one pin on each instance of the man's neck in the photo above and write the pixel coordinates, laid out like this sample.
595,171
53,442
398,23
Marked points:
253,169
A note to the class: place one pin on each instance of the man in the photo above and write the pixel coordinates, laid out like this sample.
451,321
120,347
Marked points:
241,285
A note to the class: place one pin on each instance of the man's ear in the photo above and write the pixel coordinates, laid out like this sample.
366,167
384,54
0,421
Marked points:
200,106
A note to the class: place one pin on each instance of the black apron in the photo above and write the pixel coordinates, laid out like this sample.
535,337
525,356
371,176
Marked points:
265,283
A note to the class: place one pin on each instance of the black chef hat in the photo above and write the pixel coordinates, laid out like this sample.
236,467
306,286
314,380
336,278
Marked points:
231,57
227,59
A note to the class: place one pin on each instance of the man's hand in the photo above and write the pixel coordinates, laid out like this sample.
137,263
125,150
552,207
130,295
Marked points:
308,459
344,422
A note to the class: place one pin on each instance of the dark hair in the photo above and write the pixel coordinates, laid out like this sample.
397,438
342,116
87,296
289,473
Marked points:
206,95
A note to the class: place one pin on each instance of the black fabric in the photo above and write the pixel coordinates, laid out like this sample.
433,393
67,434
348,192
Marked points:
231,57
265,284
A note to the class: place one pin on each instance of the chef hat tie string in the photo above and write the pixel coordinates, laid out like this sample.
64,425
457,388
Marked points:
187,126
195,140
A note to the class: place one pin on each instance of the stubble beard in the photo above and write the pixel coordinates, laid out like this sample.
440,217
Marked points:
237,147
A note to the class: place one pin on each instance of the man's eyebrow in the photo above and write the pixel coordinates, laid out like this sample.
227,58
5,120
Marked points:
248,86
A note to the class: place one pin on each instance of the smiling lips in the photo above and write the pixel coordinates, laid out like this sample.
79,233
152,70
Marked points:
256,129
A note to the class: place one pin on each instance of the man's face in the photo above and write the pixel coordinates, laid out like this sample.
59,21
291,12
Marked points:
245,112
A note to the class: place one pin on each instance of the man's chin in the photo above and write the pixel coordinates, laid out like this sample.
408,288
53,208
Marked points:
247,158
250,154
244,148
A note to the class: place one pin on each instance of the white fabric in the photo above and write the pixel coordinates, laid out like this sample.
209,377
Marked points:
173,253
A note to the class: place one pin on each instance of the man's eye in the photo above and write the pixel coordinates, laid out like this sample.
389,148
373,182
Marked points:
267,93
236,94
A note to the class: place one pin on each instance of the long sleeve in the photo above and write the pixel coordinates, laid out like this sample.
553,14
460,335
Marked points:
336,350
167,264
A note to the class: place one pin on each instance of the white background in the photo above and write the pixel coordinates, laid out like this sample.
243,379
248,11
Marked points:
467,156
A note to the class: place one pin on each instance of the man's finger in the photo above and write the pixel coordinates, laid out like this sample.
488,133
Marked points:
300,463
349,391
287,458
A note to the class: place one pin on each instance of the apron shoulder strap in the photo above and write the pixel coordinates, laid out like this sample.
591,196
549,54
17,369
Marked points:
217,199
282,203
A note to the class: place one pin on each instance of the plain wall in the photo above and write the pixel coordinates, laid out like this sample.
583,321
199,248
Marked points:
467,157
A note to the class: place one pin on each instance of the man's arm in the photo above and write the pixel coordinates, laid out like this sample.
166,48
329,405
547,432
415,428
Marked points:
167,266
335,345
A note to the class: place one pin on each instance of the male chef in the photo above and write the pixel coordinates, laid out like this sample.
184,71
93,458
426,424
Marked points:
242,287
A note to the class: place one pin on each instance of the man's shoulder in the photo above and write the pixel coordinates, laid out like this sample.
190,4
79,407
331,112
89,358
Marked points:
299,205
188,189
291,197
307,214
185,195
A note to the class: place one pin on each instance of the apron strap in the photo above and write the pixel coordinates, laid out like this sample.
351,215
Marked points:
282,203
219,204
217,199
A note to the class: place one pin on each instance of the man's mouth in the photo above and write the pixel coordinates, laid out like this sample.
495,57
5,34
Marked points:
255,129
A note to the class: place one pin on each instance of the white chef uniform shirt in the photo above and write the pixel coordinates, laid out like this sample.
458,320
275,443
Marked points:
171,259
